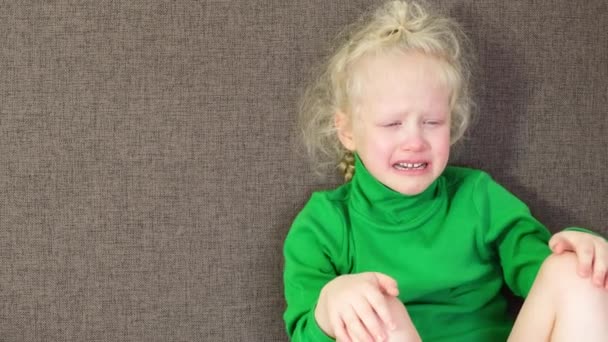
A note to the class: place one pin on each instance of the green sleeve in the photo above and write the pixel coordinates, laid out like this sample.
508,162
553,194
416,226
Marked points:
312,250
512,234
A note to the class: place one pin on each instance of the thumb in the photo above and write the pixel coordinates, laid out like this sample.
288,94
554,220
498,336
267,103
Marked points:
559,244
387,284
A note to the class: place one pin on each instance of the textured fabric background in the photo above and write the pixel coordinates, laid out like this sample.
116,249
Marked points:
147,174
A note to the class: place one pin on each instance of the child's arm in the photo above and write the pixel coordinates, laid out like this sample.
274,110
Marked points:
323,304
521,241
313,255
511,234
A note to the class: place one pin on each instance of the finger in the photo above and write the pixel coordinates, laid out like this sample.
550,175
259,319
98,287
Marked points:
340,331
370,321
387,284
605,249
558,248
600,264
354,333
378,302
585,255
354,327
559,244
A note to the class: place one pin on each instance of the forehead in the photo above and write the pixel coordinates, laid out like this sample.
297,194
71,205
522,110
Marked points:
400,81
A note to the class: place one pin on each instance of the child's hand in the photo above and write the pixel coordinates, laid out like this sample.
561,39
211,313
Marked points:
591,251
353,307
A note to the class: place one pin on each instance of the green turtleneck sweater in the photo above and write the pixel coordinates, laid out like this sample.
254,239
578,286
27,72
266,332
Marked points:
450,249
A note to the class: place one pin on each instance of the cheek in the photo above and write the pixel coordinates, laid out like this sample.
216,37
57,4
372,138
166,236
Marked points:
373,140
382,144
442,143
446,147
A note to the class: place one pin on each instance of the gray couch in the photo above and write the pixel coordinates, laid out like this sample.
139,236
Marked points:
148,173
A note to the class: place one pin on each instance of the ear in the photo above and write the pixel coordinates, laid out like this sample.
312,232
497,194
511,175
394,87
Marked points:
345,130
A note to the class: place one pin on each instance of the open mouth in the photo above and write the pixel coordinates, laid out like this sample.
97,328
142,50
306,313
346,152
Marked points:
410,166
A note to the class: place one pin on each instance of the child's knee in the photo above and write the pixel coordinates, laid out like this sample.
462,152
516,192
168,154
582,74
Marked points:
405,330
557,264
561,272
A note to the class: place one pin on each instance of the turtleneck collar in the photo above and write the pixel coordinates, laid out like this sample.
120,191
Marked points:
381,204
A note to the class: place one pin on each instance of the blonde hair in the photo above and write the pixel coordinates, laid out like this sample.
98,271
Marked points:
397,25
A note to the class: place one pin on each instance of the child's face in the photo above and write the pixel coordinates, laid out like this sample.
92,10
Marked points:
401,128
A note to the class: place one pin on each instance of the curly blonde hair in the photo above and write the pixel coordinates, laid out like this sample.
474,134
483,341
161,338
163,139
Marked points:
397,25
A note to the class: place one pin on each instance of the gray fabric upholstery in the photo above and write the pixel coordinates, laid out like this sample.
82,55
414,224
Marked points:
148,175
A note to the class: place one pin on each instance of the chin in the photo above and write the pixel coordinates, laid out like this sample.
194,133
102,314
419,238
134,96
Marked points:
412,186
411,190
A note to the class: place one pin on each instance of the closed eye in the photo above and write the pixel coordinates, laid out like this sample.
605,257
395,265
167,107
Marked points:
433,122
392,124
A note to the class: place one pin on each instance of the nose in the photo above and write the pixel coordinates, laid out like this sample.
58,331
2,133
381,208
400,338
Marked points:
413,140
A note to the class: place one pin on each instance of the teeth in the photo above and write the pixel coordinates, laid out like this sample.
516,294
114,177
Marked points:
409,166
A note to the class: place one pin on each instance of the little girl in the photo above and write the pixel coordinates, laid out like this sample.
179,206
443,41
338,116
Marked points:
409,248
